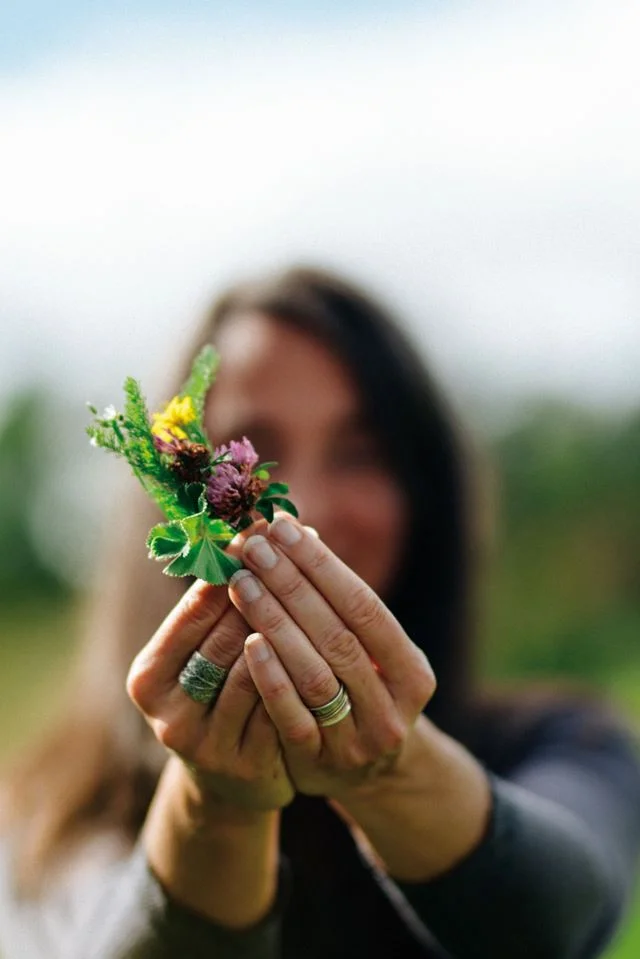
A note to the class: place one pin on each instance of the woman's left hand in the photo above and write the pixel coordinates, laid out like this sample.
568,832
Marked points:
317,624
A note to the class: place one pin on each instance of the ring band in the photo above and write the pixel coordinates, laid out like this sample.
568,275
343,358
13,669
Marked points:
335,710
201,679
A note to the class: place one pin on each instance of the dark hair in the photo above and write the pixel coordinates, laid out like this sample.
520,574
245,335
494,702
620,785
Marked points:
98,770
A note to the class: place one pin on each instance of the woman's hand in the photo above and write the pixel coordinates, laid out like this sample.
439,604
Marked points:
318,624
231,749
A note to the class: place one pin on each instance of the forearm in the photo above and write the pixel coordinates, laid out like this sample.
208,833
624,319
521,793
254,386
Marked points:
526,877
429,812
218,861
537,887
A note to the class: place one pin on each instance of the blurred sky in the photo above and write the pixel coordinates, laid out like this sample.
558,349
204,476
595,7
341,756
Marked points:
478,162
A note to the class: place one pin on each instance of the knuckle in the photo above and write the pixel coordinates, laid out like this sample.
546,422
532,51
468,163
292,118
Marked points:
272,620
141,685
319,559
424,682
172,737
392,737
292,589
316,684
341,647
278,689
225,642
301,733
240,679
364,609
355,757
198,604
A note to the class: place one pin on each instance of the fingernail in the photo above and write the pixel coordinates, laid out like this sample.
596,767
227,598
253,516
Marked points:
284,531
246,585
314,532
260,552
256,648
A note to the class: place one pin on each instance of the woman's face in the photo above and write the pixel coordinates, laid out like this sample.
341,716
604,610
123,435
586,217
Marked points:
298,405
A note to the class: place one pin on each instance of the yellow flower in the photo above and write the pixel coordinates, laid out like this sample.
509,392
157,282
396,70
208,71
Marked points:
176,414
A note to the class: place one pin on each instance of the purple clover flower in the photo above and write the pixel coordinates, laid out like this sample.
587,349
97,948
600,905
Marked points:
233,489
241,453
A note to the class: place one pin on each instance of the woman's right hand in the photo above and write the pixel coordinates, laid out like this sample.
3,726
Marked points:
232,750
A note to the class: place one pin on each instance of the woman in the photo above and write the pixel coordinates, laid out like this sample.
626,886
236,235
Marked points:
412,819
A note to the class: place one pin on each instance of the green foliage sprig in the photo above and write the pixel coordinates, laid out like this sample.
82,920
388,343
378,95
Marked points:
206,494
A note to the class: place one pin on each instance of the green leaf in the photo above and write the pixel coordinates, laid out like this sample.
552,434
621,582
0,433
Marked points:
267,465
275,489
285,504
265,506
190,496
167,539
206,561
201,526
202,375
203,557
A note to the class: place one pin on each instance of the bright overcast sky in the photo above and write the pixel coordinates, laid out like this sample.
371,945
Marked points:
478,162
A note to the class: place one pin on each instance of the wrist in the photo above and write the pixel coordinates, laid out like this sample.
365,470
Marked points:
420,752
219,860
426,813
201,811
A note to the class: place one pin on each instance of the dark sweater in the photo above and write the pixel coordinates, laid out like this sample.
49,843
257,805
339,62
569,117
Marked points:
550,879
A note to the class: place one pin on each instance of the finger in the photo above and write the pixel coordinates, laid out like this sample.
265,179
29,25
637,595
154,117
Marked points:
337,645
312,677
297,729
222,646
399,660
183,631
233,710
179,721
260,741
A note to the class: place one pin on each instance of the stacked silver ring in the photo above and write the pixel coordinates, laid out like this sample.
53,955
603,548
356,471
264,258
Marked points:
334,711
201,679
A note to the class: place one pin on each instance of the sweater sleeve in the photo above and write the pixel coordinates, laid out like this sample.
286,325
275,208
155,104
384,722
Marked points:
135,919
552,875
122,912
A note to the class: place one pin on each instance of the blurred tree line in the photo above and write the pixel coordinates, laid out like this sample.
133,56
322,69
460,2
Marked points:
565,595
564,592
25,470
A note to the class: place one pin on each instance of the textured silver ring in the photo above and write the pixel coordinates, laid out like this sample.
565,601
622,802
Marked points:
201,679
337,709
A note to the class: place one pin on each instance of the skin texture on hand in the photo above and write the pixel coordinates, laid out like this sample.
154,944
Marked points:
318,624
218,860
422,800
232,749
211,836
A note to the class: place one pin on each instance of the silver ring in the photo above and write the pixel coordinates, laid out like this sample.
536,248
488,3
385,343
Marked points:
334,711
201,679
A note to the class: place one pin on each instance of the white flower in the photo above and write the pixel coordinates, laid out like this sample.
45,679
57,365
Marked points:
93,441
110,413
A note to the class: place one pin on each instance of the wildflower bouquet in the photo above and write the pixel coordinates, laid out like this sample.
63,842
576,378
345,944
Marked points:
206,494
